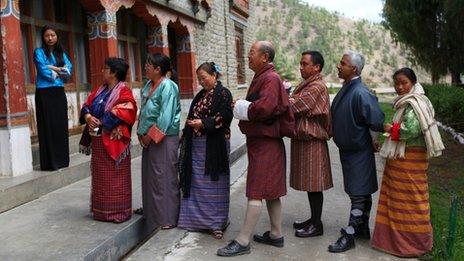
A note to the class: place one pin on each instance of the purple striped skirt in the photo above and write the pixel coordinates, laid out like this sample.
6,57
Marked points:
208,205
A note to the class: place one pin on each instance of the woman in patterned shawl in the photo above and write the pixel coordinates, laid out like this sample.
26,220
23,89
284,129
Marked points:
204,165
109,114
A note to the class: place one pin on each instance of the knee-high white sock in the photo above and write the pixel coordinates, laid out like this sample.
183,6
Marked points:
274,208
251,218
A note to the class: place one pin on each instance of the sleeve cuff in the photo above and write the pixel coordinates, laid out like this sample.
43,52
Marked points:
241,110
395,131
68,72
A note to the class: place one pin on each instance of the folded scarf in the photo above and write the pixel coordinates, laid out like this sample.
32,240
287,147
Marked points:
425,113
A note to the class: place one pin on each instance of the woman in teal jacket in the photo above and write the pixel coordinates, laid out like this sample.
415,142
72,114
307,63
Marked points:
158,132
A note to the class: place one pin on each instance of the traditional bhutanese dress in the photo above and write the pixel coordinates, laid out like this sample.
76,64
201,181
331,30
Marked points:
402,225
310,162
51,111
111,192
205,174
267,119
160,185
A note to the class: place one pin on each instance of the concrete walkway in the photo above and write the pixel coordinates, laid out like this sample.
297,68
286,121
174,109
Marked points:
178,244
59,226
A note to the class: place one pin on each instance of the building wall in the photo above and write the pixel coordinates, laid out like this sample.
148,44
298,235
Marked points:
215,41
211,41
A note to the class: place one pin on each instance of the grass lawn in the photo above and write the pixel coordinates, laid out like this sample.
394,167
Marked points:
446,177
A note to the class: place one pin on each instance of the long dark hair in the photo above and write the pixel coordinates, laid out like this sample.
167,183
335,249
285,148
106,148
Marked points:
57,49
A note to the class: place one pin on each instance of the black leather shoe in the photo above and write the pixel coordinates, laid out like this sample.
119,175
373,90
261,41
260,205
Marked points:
234,249
344,243
310,231
301,224
266,239
362,233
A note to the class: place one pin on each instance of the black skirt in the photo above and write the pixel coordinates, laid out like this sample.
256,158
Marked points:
52,127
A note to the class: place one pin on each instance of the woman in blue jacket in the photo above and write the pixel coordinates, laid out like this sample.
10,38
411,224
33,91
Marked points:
53,68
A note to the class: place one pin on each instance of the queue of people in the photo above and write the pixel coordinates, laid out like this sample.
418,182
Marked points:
186,171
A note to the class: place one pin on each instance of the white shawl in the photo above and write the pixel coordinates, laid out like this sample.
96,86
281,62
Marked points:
425,113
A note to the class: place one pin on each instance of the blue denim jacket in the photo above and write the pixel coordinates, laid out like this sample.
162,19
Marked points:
46,77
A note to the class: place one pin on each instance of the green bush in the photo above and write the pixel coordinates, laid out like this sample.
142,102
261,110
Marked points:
448,102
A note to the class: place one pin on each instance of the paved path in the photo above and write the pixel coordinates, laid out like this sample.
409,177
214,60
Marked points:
177,244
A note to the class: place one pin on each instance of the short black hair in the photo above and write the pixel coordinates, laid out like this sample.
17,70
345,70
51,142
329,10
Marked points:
118,66
159,60
408,72
268,49
210,68
316,58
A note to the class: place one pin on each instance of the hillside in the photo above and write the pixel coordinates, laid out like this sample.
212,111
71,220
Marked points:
295,27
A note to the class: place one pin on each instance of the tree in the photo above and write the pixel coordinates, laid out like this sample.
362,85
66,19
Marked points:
432,30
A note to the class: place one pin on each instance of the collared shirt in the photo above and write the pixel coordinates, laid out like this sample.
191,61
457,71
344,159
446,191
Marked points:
45,76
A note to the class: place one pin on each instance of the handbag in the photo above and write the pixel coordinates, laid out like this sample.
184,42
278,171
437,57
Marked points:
156,134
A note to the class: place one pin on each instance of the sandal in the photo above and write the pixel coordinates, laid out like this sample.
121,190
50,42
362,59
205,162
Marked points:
217,234
138,211
167,227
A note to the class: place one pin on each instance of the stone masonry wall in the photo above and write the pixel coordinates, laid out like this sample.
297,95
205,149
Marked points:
215,41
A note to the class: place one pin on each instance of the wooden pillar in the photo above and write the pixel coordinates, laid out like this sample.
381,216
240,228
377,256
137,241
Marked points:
103,43
15,142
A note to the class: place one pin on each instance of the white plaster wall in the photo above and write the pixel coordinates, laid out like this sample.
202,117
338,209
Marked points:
15,151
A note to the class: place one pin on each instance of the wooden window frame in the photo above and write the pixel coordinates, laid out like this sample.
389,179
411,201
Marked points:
128,40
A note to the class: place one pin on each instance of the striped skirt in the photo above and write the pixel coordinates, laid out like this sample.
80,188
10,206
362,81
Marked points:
402,225
310,165
111,185
208,205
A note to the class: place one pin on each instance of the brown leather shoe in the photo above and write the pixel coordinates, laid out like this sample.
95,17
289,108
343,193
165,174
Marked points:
301,224
310,231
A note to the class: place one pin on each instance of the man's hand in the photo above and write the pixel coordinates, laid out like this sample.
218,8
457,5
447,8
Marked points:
376,145
387,127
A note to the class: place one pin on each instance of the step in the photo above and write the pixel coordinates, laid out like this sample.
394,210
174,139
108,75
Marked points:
15,191
59,226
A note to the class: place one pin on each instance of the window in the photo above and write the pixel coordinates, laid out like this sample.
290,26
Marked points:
240,54
27,56
132,33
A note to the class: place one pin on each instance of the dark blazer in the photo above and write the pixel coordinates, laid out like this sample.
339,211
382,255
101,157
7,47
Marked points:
355,111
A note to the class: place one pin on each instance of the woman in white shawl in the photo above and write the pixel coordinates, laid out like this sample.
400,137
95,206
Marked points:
402,225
